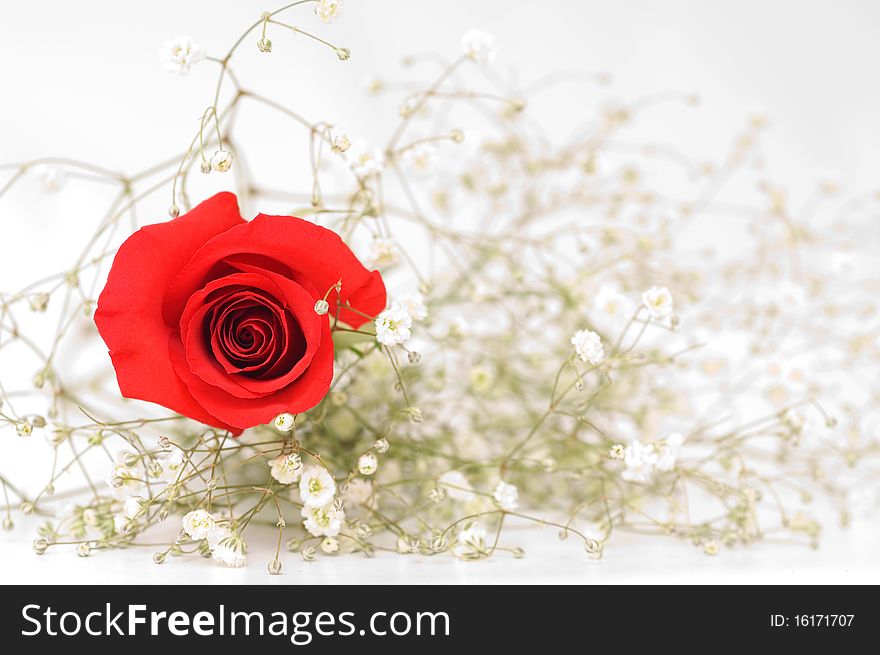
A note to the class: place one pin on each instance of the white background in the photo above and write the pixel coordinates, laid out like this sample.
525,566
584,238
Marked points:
83,80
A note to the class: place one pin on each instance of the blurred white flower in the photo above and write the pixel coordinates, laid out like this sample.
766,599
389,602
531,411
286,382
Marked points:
365,161
316,486
330,545
393,326
658,301
286,468
667,451
414,303
172,464
323,521
456,485
132,507
383,253
358,492
179,54
51,177
198,523
610,303
478,46
328,10
421,157
340,143
507,496
588,346
640,460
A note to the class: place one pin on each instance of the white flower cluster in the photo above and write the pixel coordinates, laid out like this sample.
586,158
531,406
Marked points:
658,302
478,46
588,346
322,515
507,496
328,10
394,325
642,460
226,547
179,54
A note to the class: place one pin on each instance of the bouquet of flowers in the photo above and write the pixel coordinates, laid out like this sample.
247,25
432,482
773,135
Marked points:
470,326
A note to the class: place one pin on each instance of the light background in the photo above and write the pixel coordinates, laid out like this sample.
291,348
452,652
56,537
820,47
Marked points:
83,80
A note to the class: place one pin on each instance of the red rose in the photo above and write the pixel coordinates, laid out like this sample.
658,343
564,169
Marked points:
214,317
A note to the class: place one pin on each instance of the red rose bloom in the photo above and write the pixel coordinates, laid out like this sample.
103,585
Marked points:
214,317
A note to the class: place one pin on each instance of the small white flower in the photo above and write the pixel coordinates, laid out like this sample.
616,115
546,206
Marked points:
172,464
358,492
414,303
393,326
478,46
340,143
198,524
668,450
383,253
471,543
217,534
230,552
323,521
286,468
368,463
120,523
284,422
221,161
126,480
507,496
588,346
90,517
330,545
640,460
316,487
179,54
132,507
328,10
611,303
658,301
365,161
421,157
456,485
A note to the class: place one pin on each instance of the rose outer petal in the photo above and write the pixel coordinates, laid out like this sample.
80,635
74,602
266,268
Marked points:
129,312
315,252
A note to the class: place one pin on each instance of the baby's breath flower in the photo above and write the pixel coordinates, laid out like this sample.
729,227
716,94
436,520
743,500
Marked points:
230,552
179,54
414,303
421,157
658,301
381,446
640,460
286,468
588,346
470,543
323,521
221,161
478,46
330,545
198,523
316,487
610,303
507,496
284,422
358,491
367,464
456,485
383,253
340,143
132,507
365,161
393,326
328,10
618,451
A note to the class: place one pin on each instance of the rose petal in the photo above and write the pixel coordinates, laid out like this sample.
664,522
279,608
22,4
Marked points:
315,252
129,313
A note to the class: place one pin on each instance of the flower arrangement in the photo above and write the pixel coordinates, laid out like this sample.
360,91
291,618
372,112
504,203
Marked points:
468,327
